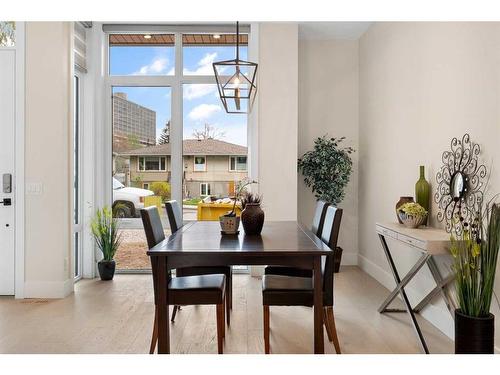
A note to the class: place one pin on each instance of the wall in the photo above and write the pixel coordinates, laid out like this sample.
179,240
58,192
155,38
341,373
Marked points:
277,119
328,104
420,85
48,159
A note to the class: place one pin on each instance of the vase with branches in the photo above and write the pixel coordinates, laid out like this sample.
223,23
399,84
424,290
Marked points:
230,222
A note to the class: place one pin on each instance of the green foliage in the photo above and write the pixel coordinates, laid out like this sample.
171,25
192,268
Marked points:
7,33
191,202
327,168
105,232
161,189
412,209
475,255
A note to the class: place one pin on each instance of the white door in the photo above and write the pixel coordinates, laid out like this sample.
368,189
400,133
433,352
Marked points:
7,116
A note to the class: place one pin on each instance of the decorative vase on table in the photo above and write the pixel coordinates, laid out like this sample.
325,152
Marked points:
252,218
422,192
402,200
229,224
474,335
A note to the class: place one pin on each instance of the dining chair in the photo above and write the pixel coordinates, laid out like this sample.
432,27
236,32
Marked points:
174,214
282,290
316,228
185,290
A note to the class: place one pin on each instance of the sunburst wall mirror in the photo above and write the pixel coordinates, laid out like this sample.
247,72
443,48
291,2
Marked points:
459,193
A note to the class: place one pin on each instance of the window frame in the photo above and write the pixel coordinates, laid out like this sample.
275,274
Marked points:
151,170
77,135
207,188
204,164
236,170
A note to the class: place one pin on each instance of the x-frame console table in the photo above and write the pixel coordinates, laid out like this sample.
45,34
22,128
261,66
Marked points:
429,242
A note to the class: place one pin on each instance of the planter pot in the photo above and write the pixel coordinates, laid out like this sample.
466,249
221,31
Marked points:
402,200
337,258
474,335
252,218
229,224
106,269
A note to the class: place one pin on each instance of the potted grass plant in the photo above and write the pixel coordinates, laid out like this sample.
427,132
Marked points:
252,215
475,256
106,234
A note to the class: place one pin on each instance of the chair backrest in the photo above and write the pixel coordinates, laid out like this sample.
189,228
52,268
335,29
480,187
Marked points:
152,225
330,235
319,217
174,214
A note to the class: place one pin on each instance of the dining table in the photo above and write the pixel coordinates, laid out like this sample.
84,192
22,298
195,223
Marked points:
201,243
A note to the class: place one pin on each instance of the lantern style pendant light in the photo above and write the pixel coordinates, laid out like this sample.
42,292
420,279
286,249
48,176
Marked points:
236,81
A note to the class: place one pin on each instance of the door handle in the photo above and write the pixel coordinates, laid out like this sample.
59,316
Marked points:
6,202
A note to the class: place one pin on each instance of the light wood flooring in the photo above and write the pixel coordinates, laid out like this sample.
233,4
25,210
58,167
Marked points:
117,317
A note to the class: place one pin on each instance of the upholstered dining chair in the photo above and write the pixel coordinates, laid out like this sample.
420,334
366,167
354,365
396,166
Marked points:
174,214
282,290
186,290
316,228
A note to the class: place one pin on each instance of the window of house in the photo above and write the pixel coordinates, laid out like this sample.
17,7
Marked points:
152,163
7,33
200,163
238,164
205,188
145,186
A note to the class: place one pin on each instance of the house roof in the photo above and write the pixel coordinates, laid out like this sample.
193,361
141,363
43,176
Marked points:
192,147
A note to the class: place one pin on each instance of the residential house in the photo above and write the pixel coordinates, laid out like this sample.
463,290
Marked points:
211,166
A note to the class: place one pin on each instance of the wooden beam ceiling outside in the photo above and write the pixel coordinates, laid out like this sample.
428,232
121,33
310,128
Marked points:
169,40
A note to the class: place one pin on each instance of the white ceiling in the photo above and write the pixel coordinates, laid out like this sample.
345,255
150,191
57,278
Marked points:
332,30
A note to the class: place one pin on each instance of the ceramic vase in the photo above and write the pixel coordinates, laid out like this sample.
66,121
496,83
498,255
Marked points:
252,218
422,191
402,200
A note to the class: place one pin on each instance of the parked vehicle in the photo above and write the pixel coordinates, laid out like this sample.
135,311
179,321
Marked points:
127,201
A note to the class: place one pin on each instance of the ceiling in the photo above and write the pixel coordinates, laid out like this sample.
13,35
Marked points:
332,30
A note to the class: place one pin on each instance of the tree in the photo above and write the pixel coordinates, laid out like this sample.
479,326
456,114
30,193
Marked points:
165,134
7,33
208,132
161,189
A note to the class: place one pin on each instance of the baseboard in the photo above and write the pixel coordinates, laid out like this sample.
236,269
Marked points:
48,289
440,318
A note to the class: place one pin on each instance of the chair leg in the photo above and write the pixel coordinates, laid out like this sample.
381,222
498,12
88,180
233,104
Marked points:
327,325
174,313
331,323
266,329
220,327
154,337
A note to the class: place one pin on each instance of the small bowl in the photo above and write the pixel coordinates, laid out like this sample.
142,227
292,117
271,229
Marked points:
410,221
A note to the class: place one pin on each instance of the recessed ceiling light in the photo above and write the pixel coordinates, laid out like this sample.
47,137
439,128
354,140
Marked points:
216,36
147,36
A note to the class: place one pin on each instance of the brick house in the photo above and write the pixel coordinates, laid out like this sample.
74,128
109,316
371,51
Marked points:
211,167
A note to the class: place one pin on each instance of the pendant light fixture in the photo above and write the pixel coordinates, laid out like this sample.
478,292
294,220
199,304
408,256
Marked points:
236,81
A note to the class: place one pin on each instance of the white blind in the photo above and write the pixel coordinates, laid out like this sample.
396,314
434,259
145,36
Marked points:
80,46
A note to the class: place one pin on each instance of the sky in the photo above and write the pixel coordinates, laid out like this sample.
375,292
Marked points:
201,103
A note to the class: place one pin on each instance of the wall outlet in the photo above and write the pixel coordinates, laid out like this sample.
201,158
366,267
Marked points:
34,188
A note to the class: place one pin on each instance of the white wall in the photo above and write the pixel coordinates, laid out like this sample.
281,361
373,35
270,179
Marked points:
328,105
420,85
277,118
48,160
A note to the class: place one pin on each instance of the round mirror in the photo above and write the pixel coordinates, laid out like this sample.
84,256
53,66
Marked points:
457,186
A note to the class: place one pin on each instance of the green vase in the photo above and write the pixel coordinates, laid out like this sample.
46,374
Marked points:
422,191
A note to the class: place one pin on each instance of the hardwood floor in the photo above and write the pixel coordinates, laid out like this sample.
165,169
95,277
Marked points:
117,317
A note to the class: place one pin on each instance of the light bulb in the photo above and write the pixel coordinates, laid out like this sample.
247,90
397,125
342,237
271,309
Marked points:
147,36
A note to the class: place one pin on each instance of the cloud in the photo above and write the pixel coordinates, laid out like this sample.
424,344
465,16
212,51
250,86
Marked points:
197,91
203,111
204,66
157,66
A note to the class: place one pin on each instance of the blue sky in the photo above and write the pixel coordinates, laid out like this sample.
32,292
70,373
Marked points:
201,102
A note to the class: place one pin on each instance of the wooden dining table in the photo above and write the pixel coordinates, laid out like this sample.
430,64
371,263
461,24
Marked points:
200,243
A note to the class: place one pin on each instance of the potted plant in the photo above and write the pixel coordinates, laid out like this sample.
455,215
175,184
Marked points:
106,235
230,222
412,214
326,170
252,215
475,255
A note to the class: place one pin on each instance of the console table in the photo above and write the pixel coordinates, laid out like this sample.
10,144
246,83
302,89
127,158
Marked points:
429,242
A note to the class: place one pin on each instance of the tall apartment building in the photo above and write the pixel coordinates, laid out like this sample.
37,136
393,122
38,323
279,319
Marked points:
132,121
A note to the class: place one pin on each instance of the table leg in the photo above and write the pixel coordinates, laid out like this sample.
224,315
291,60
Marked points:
163,320
441,284
433,293
319,345
402,292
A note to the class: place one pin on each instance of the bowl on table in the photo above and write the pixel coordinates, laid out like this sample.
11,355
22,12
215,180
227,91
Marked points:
411,221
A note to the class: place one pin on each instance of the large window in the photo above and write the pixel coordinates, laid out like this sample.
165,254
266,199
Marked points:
77,222
172,138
